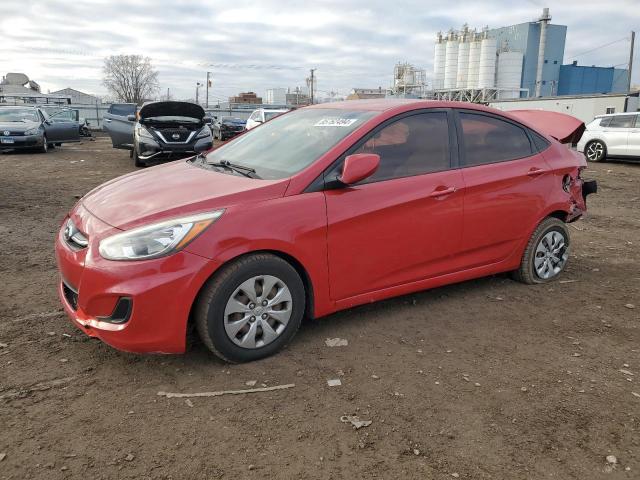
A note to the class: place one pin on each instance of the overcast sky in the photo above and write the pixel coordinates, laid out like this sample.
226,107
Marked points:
260,44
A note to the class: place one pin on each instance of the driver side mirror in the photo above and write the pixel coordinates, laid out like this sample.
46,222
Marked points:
359,166
131,118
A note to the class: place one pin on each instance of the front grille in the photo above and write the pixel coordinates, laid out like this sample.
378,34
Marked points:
70,295
12,133
174,135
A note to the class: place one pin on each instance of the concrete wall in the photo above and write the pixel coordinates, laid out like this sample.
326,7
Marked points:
584,108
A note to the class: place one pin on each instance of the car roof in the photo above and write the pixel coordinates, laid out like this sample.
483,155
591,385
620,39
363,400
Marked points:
615,114
385,104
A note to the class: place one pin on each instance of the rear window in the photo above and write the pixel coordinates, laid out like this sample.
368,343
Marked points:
488,139
622,121
122,109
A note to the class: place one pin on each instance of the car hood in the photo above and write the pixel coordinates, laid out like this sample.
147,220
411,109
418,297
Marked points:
172,109
173,190
562,127
17,126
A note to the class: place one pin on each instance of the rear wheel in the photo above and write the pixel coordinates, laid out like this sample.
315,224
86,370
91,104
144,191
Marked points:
546,254
595,151
250,309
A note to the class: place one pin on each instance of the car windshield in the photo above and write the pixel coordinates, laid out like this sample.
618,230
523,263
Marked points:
269,115
232,120
286,145
18,115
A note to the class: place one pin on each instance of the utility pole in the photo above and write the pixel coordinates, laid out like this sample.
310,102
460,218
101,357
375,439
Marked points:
208,85
633,41
311,84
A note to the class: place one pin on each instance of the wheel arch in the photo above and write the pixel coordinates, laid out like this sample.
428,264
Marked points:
287,257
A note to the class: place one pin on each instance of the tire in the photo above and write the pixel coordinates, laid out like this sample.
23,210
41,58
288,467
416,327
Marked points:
136,160
45,145
546,254
595,151
224,317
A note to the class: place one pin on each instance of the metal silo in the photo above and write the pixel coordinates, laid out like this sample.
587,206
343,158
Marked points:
509,73
451,61
487,68
463,60
474,61
439,62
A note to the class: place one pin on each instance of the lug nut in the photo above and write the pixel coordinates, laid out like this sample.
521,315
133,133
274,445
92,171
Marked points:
265,316
252,319
252,306
264,303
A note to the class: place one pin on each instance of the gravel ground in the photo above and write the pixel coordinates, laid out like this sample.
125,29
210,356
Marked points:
484,379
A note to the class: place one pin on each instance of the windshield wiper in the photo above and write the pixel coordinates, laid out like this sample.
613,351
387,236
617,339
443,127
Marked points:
241,169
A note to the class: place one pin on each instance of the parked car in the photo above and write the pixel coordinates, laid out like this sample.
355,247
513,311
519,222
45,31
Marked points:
169,130
263,115
119,124
613,135
26,126
59,115
225,128
320,210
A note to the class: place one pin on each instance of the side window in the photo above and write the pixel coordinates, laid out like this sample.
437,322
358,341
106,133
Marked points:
122,109
488,140
413,145
540,142
637,121
622,121
605,122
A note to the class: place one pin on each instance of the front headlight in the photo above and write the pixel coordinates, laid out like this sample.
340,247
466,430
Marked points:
158,239
205,132
32,131
143,132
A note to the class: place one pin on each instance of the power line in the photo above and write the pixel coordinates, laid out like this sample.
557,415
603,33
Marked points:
597,48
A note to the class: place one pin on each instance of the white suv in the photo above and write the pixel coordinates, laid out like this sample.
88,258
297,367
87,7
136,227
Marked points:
615,135
263,115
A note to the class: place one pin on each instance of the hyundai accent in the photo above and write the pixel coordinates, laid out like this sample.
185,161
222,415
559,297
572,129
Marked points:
319,210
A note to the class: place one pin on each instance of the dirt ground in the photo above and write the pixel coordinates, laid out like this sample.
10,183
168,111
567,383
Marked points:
485,379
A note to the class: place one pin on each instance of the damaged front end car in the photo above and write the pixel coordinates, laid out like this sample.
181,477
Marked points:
169,131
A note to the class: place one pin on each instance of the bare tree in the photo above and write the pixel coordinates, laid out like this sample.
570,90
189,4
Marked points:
130,78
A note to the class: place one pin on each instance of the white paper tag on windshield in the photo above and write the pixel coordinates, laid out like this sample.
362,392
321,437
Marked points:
336,122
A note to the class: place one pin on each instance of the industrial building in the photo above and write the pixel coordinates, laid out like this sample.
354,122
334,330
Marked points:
276,96
518,61
77,96
245,97
584,107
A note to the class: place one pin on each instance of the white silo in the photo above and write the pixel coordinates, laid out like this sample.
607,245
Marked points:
463,61
474,61
487,68
451,61
509,73
439,62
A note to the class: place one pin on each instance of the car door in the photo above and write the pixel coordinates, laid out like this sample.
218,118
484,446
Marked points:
506,185
64,126
118,126
616,134
404,223
633,140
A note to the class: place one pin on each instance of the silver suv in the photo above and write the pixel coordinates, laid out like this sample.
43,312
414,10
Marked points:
614,135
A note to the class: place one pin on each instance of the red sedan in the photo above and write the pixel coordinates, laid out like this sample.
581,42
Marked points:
319,210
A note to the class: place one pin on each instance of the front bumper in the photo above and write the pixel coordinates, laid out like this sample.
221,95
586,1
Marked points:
159,292
23,141
149,149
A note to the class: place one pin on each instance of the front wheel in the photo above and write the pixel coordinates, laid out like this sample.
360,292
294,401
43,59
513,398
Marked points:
250,309
546,254
136,160
595,151
45,145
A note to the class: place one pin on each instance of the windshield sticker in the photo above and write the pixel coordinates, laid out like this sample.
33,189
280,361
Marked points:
336,122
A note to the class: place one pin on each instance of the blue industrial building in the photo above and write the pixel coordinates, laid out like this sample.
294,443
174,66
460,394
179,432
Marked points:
525,38
577,80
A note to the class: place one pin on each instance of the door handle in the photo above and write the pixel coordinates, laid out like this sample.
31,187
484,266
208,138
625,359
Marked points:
535,171
108,120
442,192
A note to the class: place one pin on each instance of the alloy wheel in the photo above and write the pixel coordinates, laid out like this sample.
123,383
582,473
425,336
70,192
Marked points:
551,255
258,311
595,151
